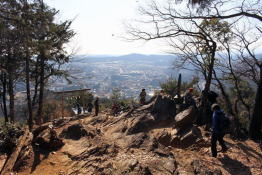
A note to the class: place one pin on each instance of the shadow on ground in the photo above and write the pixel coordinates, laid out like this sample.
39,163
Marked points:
38,153
234,167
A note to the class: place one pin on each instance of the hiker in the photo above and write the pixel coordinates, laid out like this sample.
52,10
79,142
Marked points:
188,98
90,107
79,110
217,130
96,104
115,108
142,97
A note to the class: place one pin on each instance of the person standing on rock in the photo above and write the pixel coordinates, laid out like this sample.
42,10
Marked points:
89,107
188,98
79,111
142,97
217,131
96,104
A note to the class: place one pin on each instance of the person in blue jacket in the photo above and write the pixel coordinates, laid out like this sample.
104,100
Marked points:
217,133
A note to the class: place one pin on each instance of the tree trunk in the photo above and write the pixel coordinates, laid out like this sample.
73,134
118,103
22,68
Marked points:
36,82
206,108
256,120
4,97
28,93
41,91
210,68
11,97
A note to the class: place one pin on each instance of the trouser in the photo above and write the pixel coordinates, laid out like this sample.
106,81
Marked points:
142,101
96,111
214,138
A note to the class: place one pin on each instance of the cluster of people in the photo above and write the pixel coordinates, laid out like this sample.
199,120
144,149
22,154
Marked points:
90,107
214,114
217,115
218,119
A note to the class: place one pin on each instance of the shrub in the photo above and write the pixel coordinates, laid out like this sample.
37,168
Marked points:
9,135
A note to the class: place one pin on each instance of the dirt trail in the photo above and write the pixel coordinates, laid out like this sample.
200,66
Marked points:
113,151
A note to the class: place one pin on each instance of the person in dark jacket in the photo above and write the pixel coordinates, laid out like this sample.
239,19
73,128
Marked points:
96,104
89,107
142,96
217,133
188,98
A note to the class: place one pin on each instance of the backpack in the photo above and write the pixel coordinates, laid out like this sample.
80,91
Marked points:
224,123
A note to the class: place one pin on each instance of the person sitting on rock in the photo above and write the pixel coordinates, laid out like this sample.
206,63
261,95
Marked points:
142,97
188,98
96,104
217,131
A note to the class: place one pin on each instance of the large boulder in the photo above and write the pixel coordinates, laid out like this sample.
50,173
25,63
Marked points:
160,110
163,108
140,124
47,139
61,121
77,131
186,137
180,139
185,118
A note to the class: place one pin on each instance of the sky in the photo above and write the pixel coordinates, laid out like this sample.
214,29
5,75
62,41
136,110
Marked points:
99,26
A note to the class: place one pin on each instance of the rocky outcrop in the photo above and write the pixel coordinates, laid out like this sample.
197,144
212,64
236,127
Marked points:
184,133
142,141
163,108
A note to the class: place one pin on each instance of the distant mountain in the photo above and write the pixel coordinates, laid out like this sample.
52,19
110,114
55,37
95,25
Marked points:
167,59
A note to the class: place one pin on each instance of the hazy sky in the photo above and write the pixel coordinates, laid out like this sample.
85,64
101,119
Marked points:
99,23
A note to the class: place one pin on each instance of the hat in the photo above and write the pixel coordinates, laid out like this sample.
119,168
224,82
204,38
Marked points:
215,105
